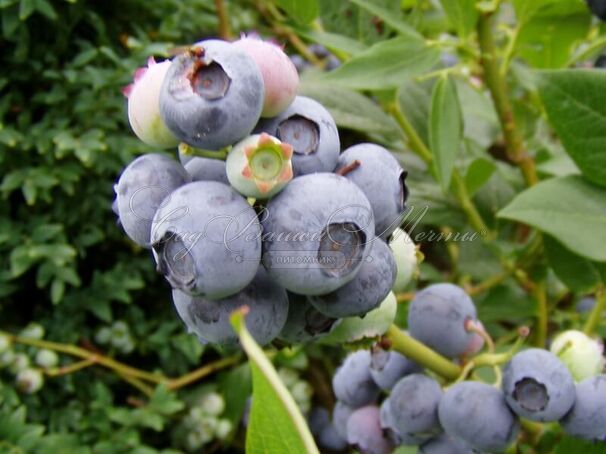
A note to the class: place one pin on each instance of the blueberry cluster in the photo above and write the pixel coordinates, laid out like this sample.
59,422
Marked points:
287,219
385,400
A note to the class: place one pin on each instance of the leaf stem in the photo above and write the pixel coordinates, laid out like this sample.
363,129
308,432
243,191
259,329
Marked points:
224,28
418,146
596,313
202,372
495,81
540,295
421,354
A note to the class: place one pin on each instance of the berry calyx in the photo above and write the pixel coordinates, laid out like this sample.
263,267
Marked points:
260,166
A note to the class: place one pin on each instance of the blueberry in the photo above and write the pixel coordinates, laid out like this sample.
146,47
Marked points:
364,432
212,95
280,77
209,319
387,367
390,430
144,105
340,415
332,63
319,50
478,414
352,382
300,63
316,233
311,130
414,406
444,444
366,290
140,190
206,240
437,317
382,179
587,419
317,419
585,304
206,169
538,386
259,166
598,8
581,354
331,440
304,322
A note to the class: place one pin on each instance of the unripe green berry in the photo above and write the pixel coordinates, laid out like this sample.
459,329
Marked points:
288,376
7,358
33,331
405,253
103,336
223,429
46,358
20,362
580,353
212,404
29,381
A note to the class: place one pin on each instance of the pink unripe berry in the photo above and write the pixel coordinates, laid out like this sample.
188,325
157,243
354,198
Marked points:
144,105
280,76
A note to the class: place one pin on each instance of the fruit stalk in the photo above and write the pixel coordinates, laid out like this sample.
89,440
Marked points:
596,313
421,354
497,86
540,295
224,29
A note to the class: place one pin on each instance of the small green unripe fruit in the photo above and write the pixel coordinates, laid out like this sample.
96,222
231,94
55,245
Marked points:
259,166
20,362
212,404
405,253
5,343
580,353
223,429
46,358
29,381
33,331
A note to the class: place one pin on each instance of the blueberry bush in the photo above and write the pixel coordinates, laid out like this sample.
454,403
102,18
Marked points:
451,155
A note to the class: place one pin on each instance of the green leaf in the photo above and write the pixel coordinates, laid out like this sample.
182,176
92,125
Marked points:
571,444
349,108
445,129
333,41
462,14
275,422
505,302
569,209
388,17
373,324
579,274
385,64
575,102
478,173
415,100
548,41
302,11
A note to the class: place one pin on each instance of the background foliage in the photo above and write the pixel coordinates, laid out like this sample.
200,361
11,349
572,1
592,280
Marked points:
413,79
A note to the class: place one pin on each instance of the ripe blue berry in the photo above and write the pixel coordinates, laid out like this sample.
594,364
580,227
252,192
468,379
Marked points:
206,169
437,317
209,319
352,382
207,240
391,431
340,415
538,386
140,190
364,432
444,444
316,233
381,178
304,322
212,95
587,419
414,406
366,290
387,367
477,414
311,130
